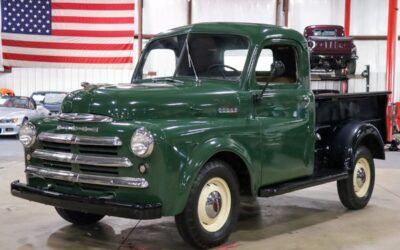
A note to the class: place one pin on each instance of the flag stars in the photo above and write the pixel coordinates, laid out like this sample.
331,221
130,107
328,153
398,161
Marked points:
26,16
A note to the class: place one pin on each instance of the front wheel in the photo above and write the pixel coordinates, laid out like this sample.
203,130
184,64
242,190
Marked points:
212,208
78,218
356,191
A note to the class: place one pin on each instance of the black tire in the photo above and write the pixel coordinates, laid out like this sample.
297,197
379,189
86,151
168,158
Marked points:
351,67
352,191
191,224
78,218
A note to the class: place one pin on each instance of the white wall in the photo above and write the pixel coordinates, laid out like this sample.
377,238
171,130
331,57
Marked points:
368,17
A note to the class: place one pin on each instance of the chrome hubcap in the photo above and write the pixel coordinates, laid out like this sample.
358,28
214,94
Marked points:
213,204
361,177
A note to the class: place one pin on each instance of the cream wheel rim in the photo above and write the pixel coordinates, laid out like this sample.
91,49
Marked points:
361,177
214,204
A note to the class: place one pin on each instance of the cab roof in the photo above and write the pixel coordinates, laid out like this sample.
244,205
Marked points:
254,31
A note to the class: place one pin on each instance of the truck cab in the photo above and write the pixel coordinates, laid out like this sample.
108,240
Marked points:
214,111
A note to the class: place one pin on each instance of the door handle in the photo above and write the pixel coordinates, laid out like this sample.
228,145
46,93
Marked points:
305,101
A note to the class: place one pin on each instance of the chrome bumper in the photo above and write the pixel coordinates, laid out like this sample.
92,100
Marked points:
82,159
86,178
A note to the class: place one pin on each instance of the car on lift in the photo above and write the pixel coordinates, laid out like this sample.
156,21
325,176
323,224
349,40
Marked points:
15,111
214,112
330,49
50,100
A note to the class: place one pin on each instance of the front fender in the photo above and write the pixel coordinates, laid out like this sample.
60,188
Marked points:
202,153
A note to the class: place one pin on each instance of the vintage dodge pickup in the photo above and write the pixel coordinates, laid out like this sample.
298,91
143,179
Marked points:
214,112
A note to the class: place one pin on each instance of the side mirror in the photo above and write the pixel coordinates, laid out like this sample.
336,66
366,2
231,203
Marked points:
277,68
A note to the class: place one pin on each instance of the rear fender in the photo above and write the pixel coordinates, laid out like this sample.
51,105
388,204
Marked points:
352,135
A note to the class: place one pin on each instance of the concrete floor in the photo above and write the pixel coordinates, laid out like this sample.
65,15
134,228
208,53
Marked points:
307,219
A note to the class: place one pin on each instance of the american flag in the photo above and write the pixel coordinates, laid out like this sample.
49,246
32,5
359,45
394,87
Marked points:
67,33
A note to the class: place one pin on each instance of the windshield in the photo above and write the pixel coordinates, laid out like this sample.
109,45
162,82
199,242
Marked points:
15,102
210,56
49,98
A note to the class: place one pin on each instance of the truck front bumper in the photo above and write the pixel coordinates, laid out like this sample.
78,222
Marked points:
104,206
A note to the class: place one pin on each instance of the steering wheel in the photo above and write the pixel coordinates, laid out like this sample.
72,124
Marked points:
219,66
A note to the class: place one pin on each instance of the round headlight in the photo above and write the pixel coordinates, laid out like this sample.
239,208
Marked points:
27,135
142,143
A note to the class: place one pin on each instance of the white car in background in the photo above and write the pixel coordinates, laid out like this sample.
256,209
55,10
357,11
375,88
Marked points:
16,110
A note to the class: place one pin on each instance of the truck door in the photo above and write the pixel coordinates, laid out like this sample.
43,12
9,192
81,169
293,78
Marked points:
286,113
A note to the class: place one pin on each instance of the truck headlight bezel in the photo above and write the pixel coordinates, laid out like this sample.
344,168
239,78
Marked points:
27,135
142,143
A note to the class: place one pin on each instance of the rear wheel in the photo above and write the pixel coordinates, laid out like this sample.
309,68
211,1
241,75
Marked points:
78,218
356,191
212,209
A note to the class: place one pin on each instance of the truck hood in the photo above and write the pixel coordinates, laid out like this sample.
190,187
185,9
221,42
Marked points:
160,100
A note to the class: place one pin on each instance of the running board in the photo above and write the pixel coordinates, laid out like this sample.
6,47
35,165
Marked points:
314,180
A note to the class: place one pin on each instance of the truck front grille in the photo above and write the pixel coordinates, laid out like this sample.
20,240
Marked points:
83,154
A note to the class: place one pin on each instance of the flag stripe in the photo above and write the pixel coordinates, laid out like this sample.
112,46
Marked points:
67,39
93,6
68,46
93,13
67,59
93,33
83,19
93,1
72,53
91,27
18,63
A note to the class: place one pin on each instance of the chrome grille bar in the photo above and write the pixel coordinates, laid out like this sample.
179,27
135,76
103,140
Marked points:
81,140
82,159
86,178
80,117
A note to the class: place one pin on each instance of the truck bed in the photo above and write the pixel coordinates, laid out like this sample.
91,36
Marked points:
334,110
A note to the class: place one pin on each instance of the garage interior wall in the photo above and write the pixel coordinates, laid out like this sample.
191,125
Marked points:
368,17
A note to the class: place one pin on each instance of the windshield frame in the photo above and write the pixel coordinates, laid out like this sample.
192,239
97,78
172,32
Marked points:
136,78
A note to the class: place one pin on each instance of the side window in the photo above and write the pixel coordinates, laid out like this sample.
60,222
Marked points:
284,53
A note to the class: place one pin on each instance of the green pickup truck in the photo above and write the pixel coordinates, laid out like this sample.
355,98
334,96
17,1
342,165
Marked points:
214,112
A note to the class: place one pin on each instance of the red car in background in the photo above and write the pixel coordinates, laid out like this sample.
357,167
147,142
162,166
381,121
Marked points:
330,50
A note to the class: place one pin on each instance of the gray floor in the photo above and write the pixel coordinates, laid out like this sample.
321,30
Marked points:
306,219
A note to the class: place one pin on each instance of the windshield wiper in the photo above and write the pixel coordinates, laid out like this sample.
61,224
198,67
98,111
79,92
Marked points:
190,61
